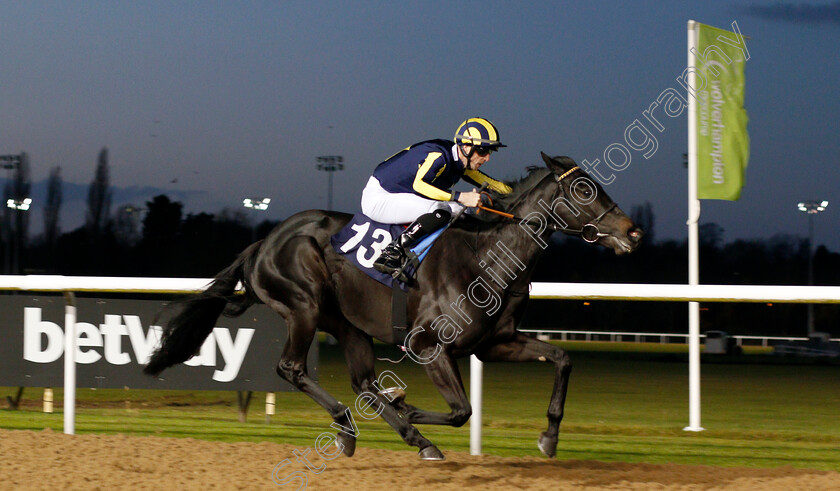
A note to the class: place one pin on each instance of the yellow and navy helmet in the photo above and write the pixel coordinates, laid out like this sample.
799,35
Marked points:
478,132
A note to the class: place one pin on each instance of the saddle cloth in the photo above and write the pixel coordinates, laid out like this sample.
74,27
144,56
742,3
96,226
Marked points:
362,240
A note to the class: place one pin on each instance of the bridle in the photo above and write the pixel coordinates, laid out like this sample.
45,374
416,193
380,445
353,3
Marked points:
589,231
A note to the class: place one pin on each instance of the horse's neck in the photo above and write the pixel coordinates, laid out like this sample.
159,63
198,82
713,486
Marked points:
511,249
534,236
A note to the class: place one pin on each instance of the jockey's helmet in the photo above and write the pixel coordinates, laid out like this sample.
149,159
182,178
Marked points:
478,132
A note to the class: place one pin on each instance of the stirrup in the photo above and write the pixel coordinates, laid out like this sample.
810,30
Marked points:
390,260
388,265
399,273
408,260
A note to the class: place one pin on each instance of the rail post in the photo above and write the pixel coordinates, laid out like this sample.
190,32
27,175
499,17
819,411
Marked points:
70,364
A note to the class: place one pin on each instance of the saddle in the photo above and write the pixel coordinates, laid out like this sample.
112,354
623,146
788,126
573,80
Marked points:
362,240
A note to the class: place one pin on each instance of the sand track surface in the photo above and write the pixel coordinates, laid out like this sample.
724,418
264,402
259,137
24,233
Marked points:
50,460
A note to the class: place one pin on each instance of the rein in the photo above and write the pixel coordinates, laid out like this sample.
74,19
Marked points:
589,232
491,210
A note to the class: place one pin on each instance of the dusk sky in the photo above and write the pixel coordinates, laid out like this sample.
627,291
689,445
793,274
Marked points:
237,99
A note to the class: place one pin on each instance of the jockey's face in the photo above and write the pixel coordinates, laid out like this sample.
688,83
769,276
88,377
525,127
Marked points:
476,160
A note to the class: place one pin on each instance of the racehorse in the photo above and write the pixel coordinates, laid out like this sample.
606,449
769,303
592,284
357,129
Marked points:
468,297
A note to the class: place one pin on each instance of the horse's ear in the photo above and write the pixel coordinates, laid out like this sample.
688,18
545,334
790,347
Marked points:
560,163
548,160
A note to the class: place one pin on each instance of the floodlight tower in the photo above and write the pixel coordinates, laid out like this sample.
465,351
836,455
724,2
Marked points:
258,205
10,163
20,206
330,164
811,207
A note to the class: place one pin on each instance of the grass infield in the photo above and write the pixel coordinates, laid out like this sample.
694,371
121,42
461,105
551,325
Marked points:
627,402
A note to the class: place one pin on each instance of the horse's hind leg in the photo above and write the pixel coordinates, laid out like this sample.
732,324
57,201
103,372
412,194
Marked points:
358,352
292,368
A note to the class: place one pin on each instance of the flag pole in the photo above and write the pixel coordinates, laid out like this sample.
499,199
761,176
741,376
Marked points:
693,242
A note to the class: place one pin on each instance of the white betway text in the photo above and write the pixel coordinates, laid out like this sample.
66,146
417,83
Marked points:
43,342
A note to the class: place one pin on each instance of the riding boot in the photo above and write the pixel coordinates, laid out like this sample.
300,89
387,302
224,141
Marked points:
390,259
393,256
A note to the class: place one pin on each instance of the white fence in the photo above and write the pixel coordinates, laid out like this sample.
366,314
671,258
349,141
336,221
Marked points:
55,283
673,293
686,293
661,337
582,291
71,284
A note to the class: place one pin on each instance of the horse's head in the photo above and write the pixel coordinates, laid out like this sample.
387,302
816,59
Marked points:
563,198
586,210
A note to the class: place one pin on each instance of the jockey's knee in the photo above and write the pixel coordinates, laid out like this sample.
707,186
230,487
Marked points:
448,207
436,218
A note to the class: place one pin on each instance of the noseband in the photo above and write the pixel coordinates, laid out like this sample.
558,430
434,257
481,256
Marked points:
589,232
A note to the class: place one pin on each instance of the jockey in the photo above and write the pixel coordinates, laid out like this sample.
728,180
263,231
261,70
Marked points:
415,185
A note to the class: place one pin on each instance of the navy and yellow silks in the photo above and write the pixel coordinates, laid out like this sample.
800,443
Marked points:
430,169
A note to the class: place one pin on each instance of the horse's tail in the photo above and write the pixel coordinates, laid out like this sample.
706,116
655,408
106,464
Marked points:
185,333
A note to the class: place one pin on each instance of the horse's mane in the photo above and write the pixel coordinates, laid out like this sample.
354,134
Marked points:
503,202
535,174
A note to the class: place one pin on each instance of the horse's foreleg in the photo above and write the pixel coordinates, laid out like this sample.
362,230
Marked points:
358,352
444,373
524,348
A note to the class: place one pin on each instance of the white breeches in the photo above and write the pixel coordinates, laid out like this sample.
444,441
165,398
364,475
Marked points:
386,207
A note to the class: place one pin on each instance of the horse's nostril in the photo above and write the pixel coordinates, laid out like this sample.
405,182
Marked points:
635,234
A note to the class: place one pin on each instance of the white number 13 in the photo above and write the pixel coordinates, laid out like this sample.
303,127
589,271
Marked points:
381,239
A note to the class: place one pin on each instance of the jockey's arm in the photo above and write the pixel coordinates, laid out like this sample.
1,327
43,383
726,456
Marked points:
429,168
479,179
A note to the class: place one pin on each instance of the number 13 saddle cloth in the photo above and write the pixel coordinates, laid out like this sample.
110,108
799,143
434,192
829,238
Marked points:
362,240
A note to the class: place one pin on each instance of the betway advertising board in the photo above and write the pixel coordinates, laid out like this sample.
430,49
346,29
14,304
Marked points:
115,338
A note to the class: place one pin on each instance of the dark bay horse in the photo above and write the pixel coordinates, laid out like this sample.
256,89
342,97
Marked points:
468,297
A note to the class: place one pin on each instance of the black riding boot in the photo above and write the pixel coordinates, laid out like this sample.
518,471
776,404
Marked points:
393,256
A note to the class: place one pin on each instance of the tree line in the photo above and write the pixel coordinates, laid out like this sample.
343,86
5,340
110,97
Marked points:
155,238
163,241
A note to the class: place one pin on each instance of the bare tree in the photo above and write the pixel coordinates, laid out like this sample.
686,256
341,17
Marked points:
99,197
52,208
642,216
126,225
711,235
22,191
162,222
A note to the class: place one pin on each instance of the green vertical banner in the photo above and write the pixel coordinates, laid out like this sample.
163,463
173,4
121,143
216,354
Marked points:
723,145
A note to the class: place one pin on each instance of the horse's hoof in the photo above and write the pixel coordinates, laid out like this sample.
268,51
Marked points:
346,443
394,394
431,453
547,445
